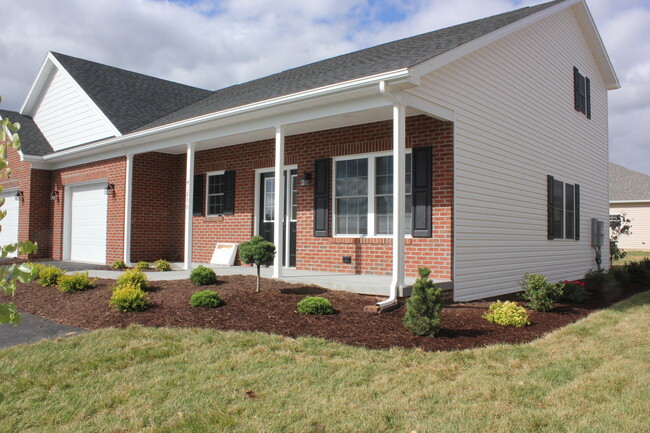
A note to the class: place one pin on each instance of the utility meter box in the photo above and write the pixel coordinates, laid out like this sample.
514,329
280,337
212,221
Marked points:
597,232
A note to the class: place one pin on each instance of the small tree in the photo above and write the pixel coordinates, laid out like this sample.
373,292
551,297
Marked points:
258,252
617,228
423,307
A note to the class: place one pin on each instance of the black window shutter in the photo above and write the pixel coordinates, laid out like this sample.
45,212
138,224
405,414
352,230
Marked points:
421,164
576,89
588,97
197,196
321,197
551,207
229,193
576,200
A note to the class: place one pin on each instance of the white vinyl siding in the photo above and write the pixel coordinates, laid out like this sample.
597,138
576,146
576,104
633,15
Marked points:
66,116
639,216
515,123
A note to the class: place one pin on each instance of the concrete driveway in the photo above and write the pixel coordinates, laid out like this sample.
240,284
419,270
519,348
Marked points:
32,329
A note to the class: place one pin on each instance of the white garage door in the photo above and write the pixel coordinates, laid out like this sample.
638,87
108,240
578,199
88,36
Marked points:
9,233
87,223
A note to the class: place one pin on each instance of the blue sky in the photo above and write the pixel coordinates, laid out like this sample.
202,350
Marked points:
213,44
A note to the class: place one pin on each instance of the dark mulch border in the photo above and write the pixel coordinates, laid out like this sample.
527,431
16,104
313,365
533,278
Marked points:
273,310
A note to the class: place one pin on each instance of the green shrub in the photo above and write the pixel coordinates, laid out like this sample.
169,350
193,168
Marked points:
538,293
574,292
638,272
205,298
162,265
315,305
596,280
75,282
49,275
36,269
118,264
259,252
423,306
203,276
130,298
141,266
507,313
620,274
132,277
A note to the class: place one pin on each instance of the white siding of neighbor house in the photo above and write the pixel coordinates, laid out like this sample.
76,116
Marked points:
639,216
66,116
515,124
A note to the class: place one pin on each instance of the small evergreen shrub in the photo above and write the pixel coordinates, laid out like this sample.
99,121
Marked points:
205,298
507,314
315,305
423,306
133,277
259,252
538,293
119,265
620,275
162,265
129,298
638,272
202,276
75,282
574,292
141,266
36,269
49,275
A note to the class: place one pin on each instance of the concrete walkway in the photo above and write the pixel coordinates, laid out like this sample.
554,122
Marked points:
355,283
32,329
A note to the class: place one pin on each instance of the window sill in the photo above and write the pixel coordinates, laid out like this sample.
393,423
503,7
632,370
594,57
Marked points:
361,240
213,218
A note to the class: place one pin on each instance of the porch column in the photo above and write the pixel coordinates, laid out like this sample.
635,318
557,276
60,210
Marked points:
399,144
128,196
278,202
189,187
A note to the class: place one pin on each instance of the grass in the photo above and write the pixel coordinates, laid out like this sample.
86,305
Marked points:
632,256
591,376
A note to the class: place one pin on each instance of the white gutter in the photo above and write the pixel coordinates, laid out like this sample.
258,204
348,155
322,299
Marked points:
231,112
628,201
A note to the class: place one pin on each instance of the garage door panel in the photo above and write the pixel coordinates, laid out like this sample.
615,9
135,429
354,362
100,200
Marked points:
9,232
88,217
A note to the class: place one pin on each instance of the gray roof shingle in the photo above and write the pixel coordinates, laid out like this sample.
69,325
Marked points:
129,99
31,138
404,53
626,184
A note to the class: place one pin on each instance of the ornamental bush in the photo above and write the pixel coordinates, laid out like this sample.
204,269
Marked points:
49,275
141,266
538,293
162,265
118,264
423,306
315,305
75,283
205,298
133,277
36,269
259,252
507,313
203,276
129,298
574,292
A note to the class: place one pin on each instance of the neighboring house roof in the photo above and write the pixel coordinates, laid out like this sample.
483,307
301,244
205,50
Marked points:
627,185
128,99
404,53
32,140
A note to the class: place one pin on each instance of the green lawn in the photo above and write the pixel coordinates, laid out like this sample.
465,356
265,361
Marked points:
632,256
592,376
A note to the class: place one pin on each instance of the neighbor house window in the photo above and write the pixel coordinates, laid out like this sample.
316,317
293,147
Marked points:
563,210
215,196
581,93
364,195
615,220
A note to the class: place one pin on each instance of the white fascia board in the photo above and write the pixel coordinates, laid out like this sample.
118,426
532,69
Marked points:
178,132
628,201
38,86
88,99
428,107
437,62
36,161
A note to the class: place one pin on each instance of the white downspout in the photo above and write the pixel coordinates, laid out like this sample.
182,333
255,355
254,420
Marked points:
128,199
399,150
189,188
278,202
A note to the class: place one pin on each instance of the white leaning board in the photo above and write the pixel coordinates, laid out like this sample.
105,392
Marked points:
224,254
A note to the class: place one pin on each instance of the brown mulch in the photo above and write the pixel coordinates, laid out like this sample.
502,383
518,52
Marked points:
273,310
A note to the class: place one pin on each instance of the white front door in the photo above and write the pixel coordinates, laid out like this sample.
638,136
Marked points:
9,233
86,223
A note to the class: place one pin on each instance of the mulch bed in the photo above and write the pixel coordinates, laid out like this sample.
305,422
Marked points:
273,310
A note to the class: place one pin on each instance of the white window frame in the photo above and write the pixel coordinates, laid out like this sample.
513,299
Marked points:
207,190
372,180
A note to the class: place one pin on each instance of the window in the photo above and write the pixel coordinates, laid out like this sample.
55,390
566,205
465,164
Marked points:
581,93
615,220
364,195
215,193
563,210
